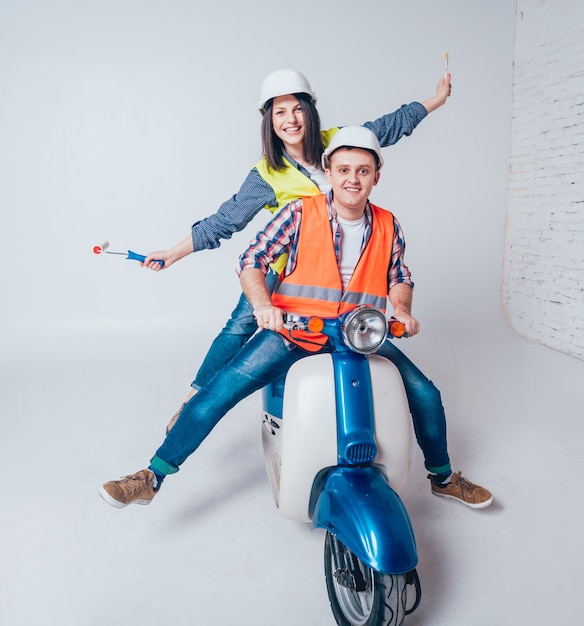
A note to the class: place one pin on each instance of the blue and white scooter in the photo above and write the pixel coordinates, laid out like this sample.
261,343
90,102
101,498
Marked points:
337,439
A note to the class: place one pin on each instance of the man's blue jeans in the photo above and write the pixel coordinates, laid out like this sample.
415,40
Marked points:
263,359
266,358
426,409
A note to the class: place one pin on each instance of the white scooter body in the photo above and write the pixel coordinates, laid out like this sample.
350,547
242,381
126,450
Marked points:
301,443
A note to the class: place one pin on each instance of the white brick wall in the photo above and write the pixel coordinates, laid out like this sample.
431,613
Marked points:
543,267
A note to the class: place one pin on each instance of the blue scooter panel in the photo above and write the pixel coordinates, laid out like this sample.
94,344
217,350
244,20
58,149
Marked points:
357,505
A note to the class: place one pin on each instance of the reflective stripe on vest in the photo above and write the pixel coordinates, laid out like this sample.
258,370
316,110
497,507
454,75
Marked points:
314,287
332,295
290,184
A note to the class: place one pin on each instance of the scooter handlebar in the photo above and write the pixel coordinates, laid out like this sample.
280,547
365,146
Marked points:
292,321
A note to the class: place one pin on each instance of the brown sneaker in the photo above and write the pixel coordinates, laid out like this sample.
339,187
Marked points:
461,489
137,488
174,418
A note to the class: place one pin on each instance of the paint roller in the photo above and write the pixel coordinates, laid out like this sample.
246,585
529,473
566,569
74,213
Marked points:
132,256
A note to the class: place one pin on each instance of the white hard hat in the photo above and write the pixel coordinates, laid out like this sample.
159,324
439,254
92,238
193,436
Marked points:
353,137
281,83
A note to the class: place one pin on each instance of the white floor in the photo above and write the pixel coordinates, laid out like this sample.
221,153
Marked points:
211,549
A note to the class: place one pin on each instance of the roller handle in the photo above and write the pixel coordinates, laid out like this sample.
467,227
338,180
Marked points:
140,257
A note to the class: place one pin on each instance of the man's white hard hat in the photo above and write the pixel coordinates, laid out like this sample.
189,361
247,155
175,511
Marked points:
353,137
281,83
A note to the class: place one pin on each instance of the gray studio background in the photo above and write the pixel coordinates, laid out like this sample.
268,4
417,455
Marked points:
128,121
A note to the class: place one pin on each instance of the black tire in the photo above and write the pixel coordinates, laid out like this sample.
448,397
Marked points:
360,596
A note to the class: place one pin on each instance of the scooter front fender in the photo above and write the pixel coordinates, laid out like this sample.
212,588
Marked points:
357,505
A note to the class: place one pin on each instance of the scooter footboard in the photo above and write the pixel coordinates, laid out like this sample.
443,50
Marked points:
357,505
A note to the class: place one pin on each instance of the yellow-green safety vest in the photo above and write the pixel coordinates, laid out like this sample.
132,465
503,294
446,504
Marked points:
289,184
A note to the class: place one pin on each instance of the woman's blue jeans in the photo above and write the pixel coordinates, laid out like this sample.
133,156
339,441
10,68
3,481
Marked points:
235,334
266,358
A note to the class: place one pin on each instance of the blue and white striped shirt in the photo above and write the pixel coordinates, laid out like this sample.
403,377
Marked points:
255,193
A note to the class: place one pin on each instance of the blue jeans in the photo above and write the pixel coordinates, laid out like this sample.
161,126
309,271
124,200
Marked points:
235,334
263,359
425,407
266,358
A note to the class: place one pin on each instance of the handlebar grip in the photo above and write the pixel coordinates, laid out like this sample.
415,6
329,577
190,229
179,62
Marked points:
140,257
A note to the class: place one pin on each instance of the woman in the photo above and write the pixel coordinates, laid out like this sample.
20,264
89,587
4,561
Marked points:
292,146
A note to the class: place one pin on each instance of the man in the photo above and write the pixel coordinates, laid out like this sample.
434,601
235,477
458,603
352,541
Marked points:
346,247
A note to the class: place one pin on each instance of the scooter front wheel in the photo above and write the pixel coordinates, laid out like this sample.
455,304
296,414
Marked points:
360,596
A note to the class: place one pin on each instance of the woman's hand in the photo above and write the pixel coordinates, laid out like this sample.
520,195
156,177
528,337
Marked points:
170,256
443,91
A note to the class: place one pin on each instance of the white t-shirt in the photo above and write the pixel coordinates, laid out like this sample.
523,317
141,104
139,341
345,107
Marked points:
318,176
351,241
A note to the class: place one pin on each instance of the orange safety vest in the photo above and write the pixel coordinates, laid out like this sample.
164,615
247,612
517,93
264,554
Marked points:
314,287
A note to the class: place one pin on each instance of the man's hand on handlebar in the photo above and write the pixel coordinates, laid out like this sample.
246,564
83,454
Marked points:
269,317
411,323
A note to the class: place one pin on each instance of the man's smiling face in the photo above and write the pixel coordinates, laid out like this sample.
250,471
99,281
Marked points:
353,173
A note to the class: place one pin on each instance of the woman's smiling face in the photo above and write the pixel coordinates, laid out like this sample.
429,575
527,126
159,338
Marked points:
288,121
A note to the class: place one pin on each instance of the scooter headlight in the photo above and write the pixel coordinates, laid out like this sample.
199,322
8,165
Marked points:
365,329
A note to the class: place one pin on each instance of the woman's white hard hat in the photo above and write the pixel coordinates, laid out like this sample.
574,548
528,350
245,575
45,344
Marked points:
281,83
353,137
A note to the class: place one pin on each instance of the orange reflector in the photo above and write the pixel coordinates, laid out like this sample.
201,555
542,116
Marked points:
315,324
397,329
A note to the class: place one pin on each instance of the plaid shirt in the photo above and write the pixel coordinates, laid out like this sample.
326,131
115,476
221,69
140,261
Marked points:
281,236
